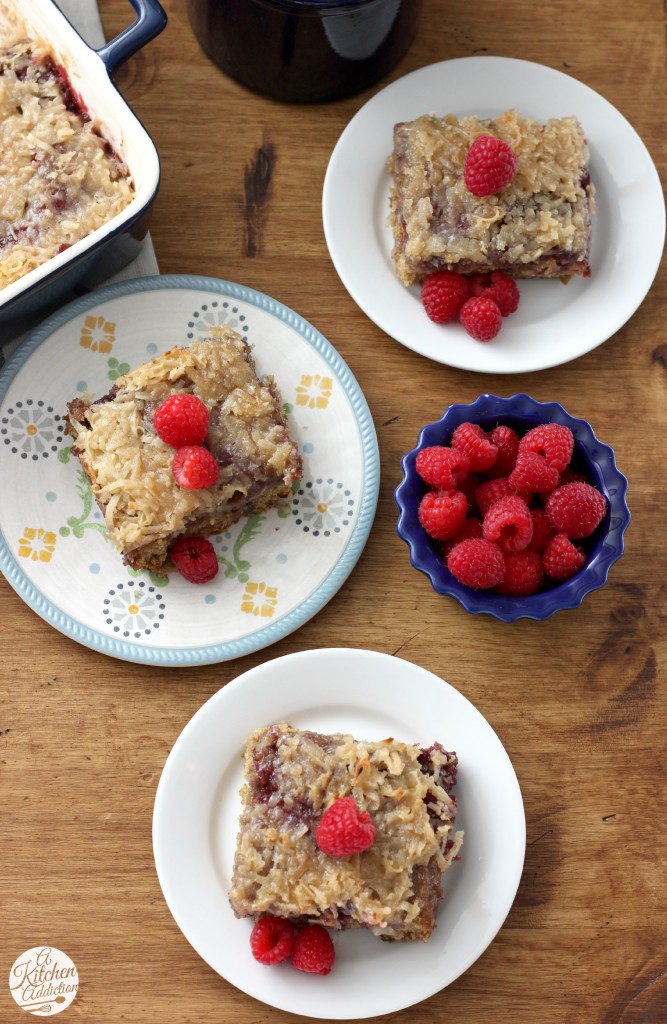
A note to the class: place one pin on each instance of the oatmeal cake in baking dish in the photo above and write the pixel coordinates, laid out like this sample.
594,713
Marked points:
130,467
60,178
539,225
392,888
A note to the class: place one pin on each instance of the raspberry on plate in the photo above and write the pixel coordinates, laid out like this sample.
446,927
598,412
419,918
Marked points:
344,829
532,474
561,558
195,559
489,167
313,950
479,283
554,441
508,523
182,419
523,574
477,563
440,466
476,445
442,513
443,293
194,467
575,509
271,939
504,291
481,318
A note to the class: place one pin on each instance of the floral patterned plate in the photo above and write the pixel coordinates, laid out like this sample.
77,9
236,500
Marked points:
277,569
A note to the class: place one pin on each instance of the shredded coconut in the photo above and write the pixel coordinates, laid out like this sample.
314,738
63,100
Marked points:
393,887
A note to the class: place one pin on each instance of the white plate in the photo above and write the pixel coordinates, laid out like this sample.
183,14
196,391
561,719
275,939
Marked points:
554,323
369,695
277,569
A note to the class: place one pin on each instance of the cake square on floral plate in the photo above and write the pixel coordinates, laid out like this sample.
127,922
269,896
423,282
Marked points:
394,886
130,467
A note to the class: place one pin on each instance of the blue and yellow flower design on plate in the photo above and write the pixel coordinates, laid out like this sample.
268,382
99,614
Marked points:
277,569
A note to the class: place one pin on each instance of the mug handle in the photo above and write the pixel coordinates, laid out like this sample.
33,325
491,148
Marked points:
150,21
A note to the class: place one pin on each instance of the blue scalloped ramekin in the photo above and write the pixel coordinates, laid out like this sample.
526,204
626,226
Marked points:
591,457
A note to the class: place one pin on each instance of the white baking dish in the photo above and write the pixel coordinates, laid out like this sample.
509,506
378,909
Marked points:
90,72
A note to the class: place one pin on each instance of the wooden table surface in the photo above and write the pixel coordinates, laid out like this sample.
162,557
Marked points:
578,701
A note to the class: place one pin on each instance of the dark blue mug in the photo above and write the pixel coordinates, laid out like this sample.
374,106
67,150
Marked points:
305,51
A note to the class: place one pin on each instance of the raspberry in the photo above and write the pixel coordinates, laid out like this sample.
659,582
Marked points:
313,950
271,939
506,441
471,528
195,559
543,531
504,292
442,513
442,467
490,166
490,491
194,467
570,476
523,574
479,283
533,474
443,294
477,563
181,420
561,558
481,318
344,829
470,439
552,440
468,486
508,523
575,509
499,287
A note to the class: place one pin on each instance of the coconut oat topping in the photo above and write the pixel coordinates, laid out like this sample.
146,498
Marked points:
538,226
393,887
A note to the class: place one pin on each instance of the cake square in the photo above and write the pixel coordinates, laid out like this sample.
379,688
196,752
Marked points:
394,887
538,226
129,466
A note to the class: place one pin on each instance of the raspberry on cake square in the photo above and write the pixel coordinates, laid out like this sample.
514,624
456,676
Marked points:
394,885
537,225
131,469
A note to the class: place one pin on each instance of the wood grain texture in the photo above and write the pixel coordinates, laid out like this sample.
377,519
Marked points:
578,701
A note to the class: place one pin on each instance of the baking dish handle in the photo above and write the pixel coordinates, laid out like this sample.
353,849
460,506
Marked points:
149,22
